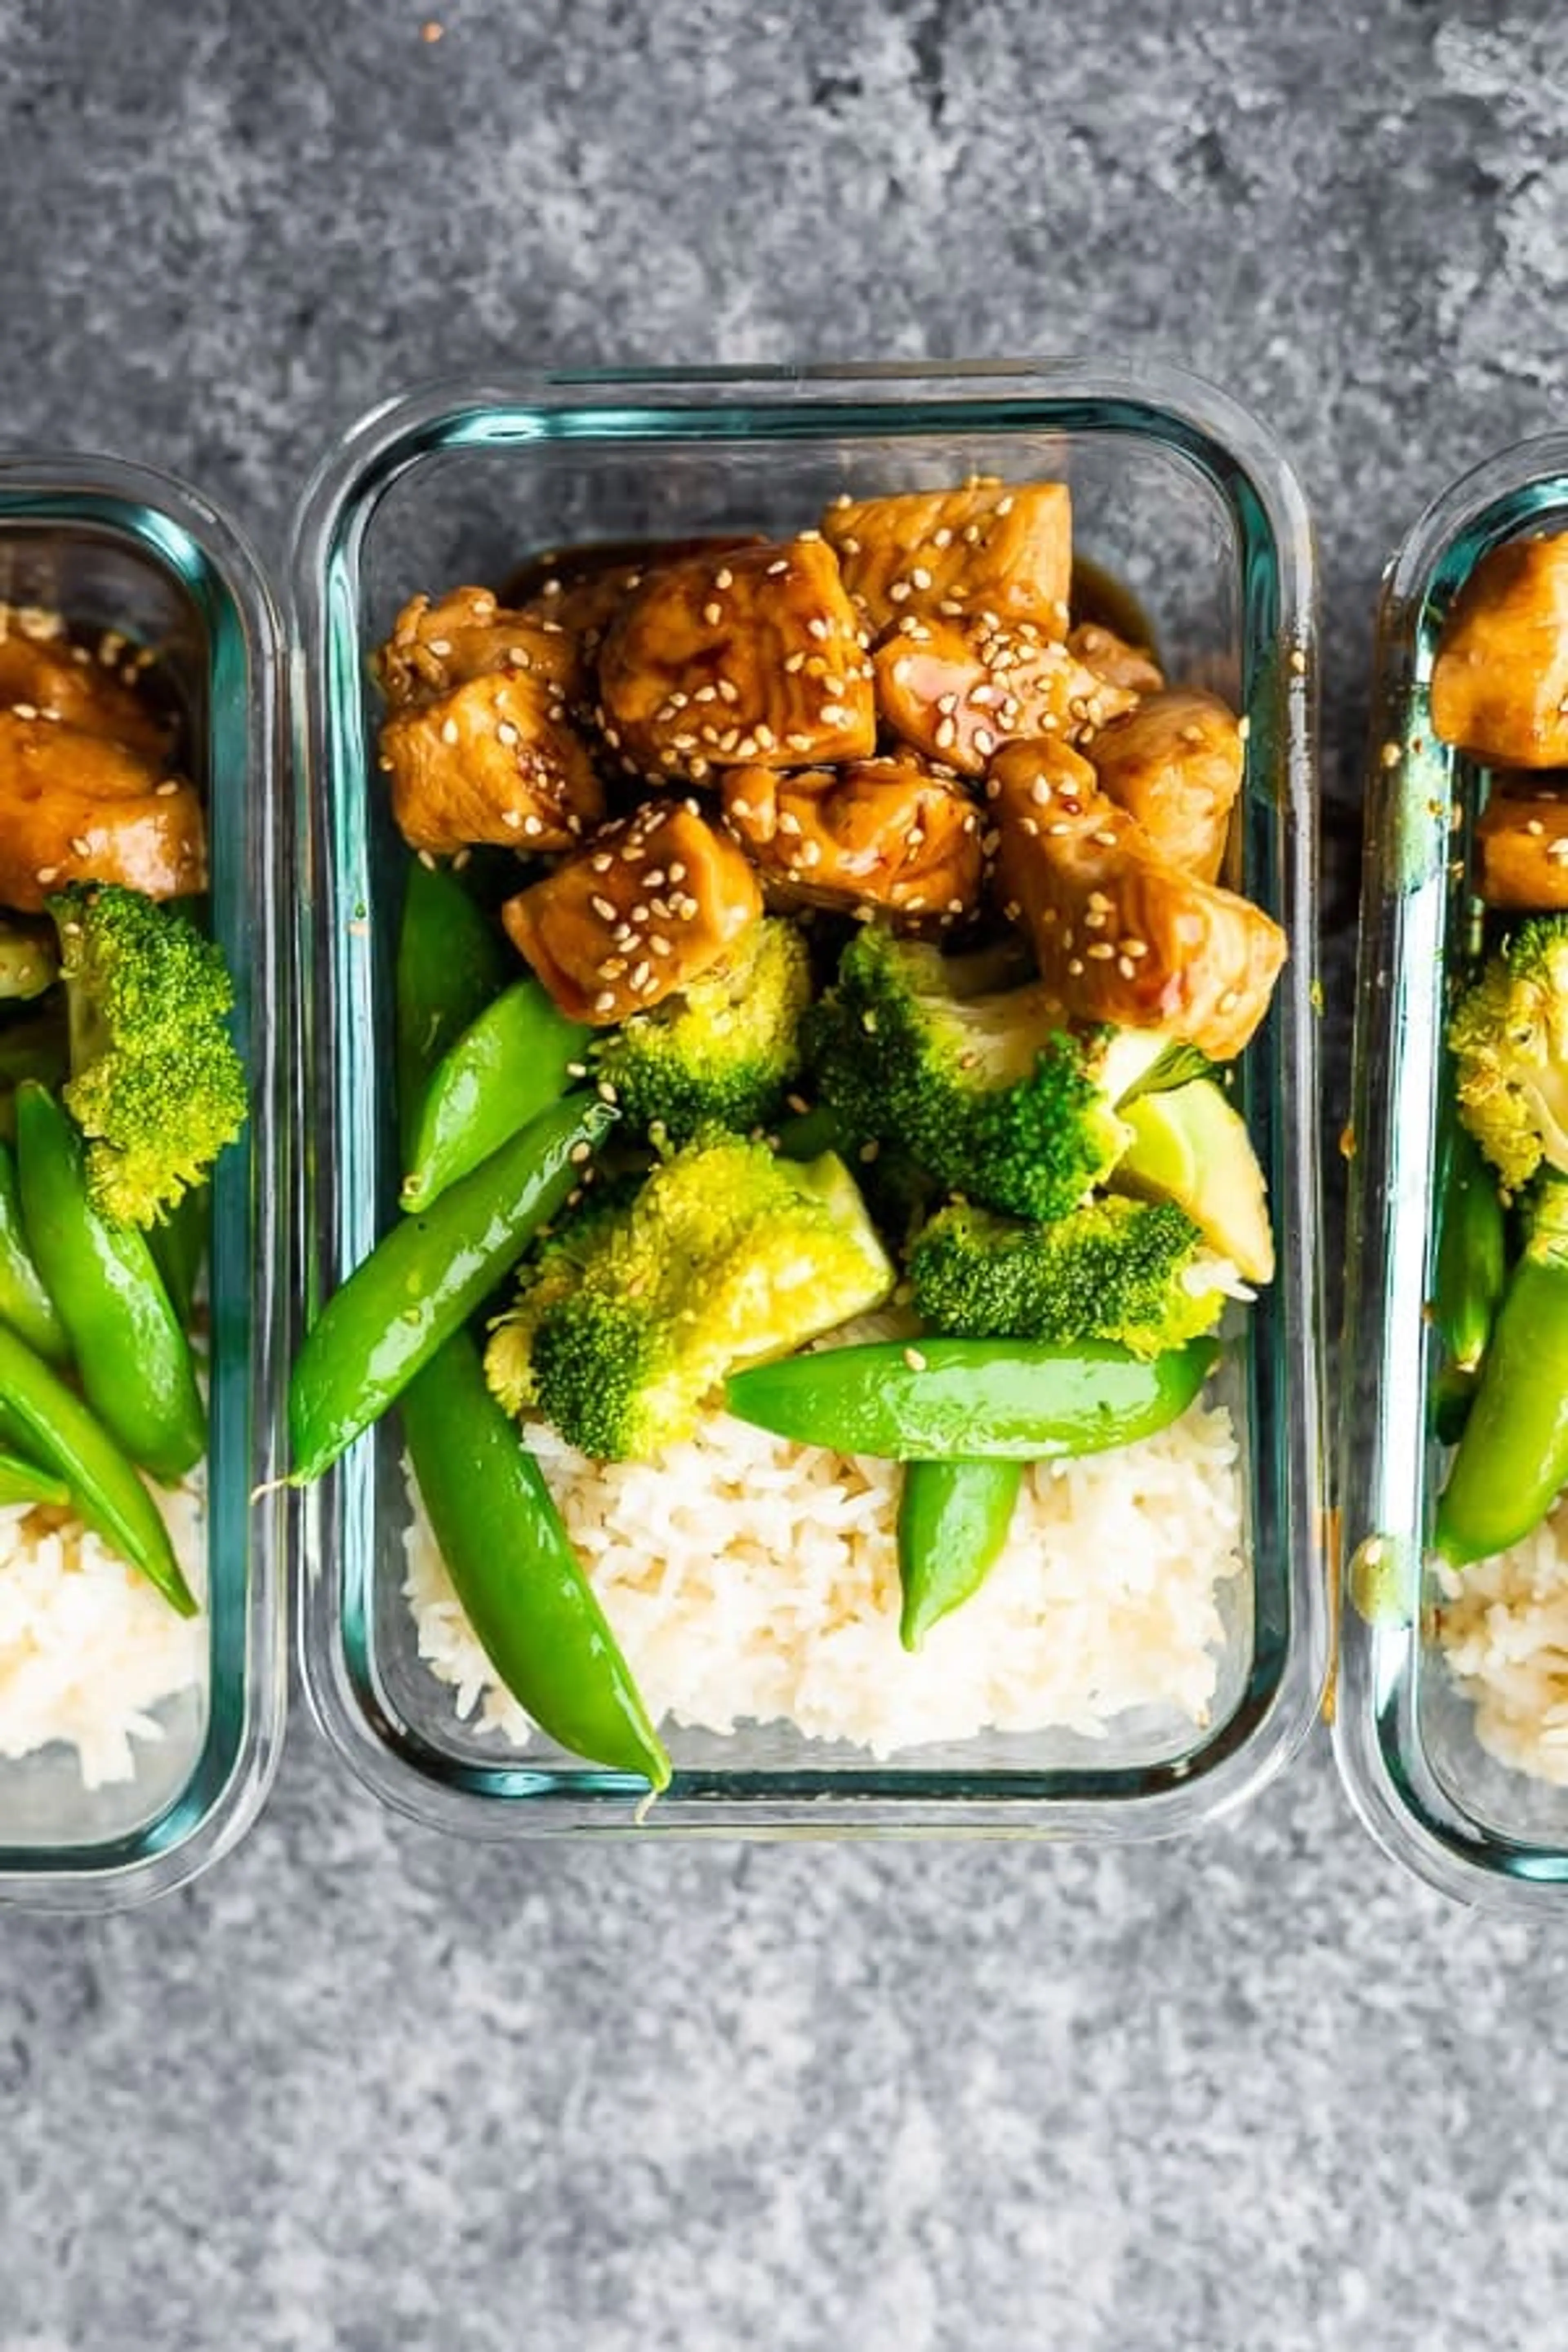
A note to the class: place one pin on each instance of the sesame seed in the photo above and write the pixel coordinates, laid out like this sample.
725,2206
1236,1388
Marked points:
1075,968
449,731
659,944
606,1000
532,826
612,967
81,845
789,823
1230,1000
511,819
712,614
601,861
819,629
23,710
520,658
833,714
738,808
984,741
1535,826
425,859
506,734
1102,950
776,571
1243,729
603,908
915,1361
946,734
1126,967
1106,840
1040,792
723,577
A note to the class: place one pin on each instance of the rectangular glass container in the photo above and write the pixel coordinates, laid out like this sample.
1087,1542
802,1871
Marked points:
114,547
1405,1735
1186,502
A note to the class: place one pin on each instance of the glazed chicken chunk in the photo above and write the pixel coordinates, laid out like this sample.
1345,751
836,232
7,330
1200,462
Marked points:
724,661
1499,685
957,689
877,833
77,807
990,548
1522,850
495,760
468,634
650,905
54,680
1110,657
1119,930
1175,764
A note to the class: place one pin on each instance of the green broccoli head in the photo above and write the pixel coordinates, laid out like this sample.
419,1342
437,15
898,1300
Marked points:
156,1086
1138,1272
1509,1038
721,1052
988,1089
726,1255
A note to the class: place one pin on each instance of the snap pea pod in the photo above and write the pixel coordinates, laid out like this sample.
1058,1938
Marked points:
514,1570
178,1247
1469,1277
953,1518
427,1278
24,1482
133,1358
1511,1461
451,963
955,1399
25,1303
104,1487
500,1073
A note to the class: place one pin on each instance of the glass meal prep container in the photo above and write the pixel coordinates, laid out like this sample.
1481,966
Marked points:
1186,502
1406,1733
113,547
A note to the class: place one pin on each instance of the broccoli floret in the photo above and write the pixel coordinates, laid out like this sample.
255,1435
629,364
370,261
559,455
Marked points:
156,1086
727,1255
1509,1038
1138,1272
722,1051
989,1090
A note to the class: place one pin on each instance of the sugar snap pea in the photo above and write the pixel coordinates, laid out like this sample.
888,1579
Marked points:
953,1518
427,1278
1511,1461
25,1303
104,1487
952,1400
450,962
1469,1277
131,1355
25,1482
500,1072
513,1569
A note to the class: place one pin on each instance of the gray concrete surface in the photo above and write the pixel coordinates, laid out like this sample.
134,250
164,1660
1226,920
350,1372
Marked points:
362,2090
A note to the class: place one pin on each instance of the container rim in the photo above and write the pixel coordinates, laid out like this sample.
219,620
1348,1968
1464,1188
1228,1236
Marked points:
1059,394
1412,788
210,559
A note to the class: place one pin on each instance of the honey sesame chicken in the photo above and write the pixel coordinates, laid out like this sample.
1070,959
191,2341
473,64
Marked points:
1005,550
650,904
1122,933
750,656
877,833
495,760
67,685
76,807
955,691
465,635
1175,764
1522,848
1110,657
1500,684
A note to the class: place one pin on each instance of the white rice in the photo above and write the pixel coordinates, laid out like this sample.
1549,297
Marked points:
1503,1628
748,1578
88,1648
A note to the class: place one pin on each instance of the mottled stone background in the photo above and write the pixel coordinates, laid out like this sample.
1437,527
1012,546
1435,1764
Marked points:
363,2090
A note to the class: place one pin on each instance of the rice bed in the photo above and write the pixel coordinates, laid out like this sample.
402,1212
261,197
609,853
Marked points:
749,1580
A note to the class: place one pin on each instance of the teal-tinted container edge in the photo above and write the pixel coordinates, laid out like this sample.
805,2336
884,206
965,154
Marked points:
70,513
336,1523
1430,1812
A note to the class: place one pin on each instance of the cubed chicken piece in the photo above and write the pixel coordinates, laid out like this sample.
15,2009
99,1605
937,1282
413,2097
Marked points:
580,590
468,634
650,904
495,760
877,833
751,657
1499,685
990,548
57,680
956,690
79,808
1175,764
1110,657
1522,850
1118,931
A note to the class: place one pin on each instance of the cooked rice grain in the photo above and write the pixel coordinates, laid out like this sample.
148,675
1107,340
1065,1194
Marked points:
1503,1628
88,1649
749,1579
